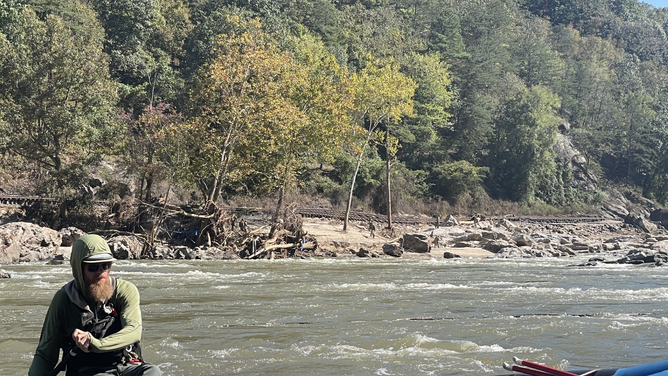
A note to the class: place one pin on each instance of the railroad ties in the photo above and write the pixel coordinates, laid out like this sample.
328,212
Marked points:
562,220
417,220
361,216
16,200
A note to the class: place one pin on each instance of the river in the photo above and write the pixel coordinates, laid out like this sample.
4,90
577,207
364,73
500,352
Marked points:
353,316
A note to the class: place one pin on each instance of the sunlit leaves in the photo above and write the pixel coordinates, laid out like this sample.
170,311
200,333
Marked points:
382,93
265,111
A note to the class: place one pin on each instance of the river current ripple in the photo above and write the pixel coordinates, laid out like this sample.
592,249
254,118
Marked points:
367,316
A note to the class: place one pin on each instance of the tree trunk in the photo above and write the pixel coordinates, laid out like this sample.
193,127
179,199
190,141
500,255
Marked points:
149,179
216,187
388,180
220,178
149,187
279,205
277,212
350,192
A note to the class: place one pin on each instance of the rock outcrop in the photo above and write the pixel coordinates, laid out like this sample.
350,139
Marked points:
27,242
126,247
416,243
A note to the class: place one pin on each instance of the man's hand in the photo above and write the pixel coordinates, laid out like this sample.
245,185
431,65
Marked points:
82,339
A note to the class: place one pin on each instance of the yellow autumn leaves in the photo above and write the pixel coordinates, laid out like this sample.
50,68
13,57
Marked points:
264,112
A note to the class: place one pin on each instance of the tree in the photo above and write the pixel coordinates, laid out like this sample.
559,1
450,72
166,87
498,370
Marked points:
378,31
640,145
654,170
210,19
310,120
144,39
445,37
561,12
56,94
146,148
522,155
9,14
538,63
589,91
232,95
382,96
422,134
453,179
263,112
320,17
489,32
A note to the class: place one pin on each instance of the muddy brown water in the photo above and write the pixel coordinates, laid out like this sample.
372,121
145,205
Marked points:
367,316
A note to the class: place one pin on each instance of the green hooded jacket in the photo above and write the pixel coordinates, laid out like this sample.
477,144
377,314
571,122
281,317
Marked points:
68,304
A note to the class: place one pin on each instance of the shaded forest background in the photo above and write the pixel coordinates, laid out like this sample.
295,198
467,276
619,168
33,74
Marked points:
409,106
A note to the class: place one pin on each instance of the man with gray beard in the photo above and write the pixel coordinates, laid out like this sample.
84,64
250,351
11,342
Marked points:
95,319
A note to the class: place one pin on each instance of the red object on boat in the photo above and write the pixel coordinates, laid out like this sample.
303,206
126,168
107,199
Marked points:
550,371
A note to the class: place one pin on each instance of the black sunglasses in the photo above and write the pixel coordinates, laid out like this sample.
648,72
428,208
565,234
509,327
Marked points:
95,267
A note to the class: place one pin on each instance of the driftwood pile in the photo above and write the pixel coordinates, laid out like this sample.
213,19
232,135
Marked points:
230,232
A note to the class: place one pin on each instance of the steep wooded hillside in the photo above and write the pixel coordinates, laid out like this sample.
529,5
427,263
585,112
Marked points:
390,105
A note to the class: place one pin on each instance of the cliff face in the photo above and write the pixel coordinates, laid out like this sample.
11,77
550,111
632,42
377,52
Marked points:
570,158
618,202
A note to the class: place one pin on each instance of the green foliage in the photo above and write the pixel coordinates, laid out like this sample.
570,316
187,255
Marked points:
453,179
538,62
382,93
57,97
9,14
445,36
154,150
560,12
489,33
264,113
320,17
382,96
378,31
144,40
522,157
421,134
436,87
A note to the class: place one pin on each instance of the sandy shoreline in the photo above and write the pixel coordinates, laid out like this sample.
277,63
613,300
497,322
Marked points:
549,238
330,235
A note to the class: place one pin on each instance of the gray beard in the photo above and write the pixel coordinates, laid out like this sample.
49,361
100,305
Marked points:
101,291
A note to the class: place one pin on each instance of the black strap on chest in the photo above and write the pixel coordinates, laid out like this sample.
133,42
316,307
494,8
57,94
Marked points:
99,323
104,322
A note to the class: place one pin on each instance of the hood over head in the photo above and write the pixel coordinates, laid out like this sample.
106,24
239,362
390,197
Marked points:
88,249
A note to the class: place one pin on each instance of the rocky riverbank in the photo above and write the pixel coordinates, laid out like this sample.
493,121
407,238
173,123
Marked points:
607,240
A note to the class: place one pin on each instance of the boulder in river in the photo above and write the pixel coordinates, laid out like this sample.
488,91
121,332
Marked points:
364,252
126,247
393,249
416,243
522,240
27,242
69,235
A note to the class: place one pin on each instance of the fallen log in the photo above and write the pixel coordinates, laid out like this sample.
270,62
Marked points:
271,248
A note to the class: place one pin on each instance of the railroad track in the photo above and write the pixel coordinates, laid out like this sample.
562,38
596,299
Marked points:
416,220
361,216
556,219
16,200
